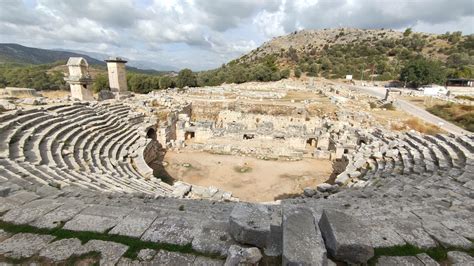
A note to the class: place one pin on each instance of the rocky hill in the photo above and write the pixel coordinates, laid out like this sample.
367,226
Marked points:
336,52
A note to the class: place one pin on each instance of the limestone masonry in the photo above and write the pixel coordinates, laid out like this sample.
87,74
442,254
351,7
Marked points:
78,179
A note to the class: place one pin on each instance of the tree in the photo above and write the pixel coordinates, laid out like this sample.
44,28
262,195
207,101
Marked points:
166,82
100,82
285,73
422,71
407,32
297,72
186,77
313,70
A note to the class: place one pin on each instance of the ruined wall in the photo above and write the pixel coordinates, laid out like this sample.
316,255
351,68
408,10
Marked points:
151,151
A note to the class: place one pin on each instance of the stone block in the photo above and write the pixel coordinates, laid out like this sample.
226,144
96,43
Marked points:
172,258
427,260
135,223
401,260
4,191
30,211
242,256
60,250
446,237
24,245
458,258
60,215
212,237
345,237
171,230
250,224
110,252
97,218
302,240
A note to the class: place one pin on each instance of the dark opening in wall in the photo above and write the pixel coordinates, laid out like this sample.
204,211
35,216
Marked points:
151,133
249,136
311,142
189,135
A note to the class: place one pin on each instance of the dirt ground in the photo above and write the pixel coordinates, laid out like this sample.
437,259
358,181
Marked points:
248,178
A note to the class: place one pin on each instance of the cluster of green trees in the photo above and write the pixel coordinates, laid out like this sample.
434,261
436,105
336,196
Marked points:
236,72
144,83
39,77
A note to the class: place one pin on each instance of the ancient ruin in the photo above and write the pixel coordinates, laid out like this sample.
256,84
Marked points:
117,75
79,79
91,180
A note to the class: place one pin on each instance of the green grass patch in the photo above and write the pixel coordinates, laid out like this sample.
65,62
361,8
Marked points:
438,253
459,114
465,97
134,244
242,169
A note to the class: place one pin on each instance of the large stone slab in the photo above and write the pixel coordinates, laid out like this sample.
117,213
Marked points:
250,224
302,240
460,226
414,234
397,261
30,211
345,237
135,223
23,197
204,261
24,245
97,218
7,204
427,260
110,252
60,250
446,237
60,215
457,258
212,237
171,230
4,235
382,235
173,258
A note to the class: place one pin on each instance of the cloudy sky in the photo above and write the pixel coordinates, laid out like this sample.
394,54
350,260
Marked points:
203,34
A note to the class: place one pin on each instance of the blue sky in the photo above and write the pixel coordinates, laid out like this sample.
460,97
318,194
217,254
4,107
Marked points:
203,34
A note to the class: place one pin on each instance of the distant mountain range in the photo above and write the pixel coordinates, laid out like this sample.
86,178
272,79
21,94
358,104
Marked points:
140,64
19,54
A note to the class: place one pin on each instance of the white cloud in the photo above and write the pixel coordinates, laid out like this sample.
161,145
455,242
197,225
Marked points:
205,34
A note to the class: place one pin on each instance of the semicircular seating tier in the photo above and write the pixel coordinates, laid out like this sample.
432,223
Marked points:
391,159
97,147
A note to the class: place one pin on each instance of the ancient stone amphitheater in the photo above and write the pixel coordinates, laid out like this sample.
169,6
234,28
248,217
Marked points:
75,187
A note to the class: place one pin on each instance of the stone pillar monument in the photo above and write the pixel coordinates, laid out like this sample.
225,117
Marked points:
79,79
117,75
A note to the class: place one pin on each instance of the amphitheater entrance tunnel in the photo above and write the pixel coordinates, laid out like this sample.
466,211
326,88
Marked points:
311,142
151,133
189,135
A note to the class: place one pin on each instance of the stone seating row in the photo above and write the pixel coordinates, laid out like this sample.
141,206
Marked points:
75,145
409,154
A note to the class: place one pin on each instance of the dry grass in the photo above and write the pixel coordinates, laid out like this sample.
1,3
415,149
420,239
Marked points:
418,125
459,114
55,94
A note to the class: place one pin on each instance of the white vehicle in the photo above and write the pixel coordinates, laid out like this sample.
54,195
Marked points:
433,90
